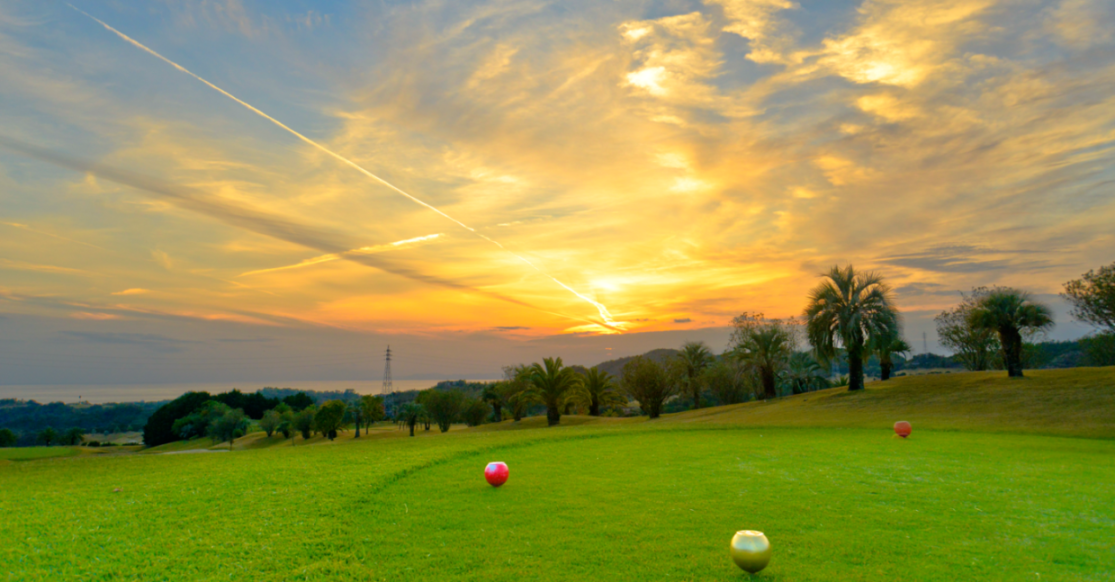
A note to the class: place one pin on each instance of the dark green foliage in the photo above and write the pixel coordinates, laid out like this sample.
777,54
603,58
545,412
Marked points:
270,422
228,426
552,382
196,424
493,397
1099,349
977,348
764,347
330,418
29,417
72,437
93,444
48,436
7,438
598,391
650,383
693,359
299,401
372,409
256,404
1093,297
304,421
804,374
728,381
443,407
160,427
475,411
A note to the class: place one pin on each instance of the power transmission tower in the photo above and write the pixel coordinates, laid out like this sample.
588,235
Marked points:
387,387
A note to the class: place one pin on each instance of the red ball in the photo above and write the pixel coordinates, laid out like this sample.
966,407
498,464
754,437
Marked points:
903,428
496,473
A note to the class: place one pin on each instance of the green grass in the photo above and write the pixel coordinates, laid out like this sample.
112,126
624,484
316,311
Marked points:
37,453
606,500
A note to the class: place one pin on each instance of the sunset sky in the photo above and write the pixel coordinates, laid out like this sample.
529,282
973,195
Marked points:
486,183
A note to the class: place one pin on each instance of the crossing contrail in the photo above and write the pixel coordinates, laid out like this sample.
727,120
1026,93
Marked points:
604,314
254,220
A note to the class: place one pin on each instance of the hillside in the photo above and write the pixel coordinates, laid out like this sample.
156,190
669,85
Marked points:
615,367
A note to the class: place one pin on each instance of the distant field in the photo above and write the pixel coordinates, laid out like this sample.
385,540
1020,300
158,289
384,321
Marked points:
609,499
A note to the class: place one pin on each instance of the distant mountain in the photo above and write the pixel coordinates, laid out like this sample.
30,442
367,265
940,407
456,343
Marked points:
615,367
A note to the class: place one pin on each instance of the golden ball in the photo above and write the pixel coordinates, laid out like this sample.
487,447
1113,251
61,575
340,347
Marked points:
750,550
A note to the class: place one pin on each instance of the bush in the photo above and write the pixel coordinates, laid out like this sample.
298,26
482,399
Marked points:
475,411
93,444
7,438
330,418
1099,350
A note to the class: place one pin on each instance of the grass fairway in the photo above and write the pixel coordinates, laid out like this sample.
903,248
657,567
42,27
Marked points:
614,500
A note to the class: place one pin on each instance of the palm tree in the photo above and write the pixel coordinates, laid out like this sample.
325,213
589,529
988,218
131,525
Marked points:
765,349
597,390
553,381
804,374
694,358
848,310
885,347
1011,313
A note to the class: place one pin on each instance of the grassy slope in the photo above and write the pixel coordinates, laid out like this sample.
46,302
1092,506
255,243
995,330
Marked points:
1074,402
606,500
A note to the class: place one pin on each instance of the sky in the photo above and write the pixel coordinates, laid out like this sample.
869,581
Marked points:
235,190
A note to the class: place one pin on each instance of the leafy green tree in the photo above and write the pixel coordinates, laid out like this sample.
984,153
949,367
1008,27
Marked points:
475,411
270,422
764,346
286,424
73,437
518,391
443,407
1011,313
48,436
976,348
1093,297
728,380
330,418
299,402
229,426
804,374
304,421
372,409
885,348
197,423
553,381
7,438
597,391
650,383
410,414
694,357
848,310
1099,349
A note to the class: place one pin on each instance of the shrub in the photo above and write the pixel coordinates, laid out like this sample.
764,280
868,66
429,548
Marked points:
160,426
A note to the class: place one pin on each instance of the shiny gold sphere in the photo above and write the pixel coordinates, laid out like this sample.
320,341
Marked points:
750,550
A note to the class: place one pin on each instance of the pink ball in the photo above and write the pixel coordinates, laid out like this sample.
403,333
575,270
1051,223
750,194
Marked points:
903,428
496,473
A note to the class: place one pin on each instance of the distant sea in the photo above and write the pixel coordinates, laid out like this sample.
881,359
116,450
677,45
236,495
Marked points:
102,393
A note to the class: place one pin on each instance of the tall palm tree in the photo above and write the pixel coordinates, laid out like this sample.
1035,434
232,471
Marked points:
886,347
1011,313
848,310
765,349
598,390
553,381
694,358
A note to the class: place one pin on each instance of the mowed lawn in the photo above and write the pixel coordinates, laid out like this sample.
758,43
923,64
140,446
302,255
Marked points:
638,501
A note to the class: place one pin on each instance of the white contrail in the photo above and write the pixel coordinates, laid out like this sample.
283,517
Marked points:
338,256
604,314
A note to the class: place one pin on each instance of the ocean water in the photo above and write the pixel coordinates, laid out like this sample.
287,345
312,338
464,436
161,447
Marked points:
103,393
